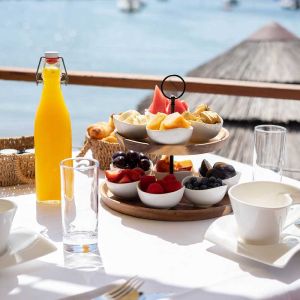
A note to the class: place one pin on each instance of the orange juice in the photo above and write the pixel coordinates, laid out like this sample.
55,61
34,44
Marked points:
52,133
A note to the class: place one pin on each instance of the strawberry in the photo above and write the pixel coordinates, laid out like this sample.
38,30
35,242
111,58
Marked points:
125,179
169,178
162,183
155,188
125,172
141,171
173,186
146,181
134,175
113,175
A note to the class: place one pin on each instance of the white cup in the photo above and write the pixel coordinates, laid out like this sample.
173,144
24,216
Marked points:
7,213
261,209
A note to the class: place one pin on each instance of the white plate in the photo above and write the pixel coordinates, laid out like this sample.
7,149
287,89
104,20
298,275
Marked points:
25,245
223,232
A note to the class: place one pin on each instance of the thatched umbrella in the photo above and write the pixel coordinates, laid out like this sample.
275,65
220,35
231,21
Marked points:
272,54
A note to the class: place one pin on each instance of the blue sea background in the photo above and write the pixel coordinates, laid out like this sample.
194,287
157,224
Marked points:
165,37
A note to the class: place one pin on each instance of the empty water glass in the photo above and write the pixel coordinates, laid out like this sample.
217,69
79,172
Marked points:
79,204
269,152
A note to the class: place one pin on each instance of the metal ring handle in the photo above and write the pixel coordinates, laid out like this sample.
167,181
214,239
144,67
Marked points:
164,80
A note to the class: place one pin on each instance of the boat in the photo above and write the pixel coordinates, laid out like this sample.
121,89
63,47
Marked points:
231,2
290,4
129,5
228,4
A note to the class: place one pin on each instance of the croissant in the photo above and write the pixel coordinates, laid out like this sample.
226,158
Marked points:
98,130
101,130
111,139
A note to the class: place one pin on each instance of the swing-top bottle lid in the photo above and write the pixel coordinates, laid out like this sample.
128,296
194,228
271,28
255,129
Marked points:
51,54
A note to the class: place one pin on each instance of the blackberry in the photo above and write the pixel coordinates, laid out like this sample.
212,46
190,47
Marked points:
189,186
212,179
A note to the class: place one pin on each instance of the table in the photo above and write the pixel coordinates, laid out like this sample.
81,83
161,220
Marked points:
172,257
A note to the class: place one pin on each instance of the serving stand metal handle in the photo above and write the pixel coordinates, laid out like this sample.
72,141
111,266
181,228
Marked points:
172,97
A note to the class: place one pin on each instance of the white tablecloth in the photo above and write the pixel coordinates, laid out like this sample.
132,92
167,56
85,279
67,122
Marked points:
172,257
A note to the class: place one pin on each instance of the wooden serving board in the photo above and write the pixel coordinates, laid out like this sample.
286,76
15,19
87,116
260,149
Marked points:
184,211
188,149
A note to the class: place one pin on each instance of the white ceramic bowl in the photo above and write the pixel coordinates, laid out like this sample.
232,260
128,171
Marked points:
166,200
171,136
180,175
123,190
203,132
112,167
205,198
130,131
232,180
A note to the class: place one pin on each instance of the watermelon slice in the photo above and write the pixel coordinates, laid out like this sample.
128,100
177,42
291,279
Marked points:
179,107
185,105
159,102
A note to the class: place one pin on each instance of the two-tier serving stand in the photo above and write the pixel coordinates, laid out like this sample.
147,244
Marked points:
185,210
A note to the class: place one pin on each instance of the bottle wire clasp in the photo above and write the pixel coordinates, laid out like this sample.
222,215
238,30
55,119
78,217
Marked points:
64,74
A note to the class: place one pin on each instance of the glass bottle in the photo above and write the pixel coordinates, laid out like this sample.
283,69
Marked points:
52,130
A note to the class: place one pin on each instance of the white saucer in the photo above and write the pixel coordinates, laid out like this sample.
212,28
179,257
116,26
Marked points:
223,232
25,245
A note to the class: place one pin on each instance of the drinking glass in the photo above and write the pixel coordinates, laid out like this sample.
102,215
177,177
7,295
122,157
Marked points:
269,152
79,204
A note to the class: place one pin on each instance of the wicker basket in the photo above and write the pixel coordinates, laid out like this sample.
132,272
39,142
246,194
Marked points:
16,168
103,151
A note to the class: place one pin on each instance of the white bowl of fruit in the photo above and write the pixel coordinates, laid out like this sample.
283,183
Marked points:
165,193
220,170
131,124
204,192
170,129
206,123
182,168
123,183
131,160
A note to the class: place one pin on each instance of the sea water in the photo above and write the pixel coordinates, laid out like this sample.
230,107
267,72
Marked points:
165,37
